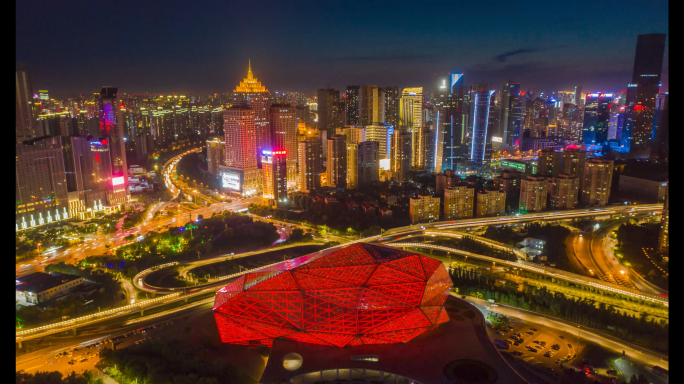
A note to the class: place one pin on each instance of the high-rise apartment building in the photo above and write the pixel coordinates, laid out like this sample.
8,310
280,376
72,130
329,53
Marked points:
563,190
509,183
400,155
25,122
598,176
392,100
664,236
425,149
111,128
572,163
336,170
481,143
381,133
368,163
411,116
642,91
216,154
424,209
533,192
660,150
549,162
447,179
309,164
459,201
41,185
596,118
88,170
275,169
351,102
491,202
283,118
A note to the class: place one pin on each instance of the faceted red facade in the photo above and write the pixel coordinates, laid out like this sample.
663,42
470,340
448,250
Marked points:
362,294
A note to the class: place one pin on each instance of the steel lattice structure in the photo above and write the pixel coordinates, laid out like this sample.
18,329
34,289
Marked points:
362,294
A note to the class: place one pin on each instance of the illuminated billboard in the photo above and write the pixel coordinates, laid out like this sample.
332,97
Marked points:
230,180
385,164
117,180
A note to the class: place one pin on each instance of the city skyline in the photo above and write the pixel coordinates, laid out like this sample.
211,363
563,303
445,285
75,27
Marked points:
402,46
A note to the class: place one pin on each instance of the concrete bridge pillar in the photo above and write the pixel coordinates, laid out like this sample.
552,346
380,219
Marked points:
493,264
19,344
73,331
142,312
186,299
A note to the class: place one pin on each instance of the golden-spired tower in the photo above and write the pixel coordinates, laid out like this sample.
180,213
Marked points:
247,133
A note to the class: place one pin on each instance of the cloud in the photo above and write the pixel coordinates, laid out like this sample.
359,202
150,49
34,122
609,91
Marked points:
502,57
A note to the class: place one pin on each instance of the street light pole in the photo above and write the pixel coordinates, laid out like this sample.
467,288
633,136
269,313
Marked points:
578,338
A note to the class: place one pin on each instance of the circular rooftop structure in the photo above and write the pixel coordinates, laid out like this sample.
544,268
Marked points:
292,361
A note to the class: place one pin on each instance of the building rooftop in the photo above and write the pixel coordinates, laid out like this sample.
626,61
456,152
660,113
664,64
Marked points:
40,282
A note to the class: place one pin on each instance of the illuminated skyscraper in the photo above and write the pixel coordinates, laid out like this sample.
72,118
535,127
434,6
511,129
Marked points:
216,154
41,186
382,134
274,167
661,129
411,116
111,128
241,174
642,92
511,114
425,149
368,163
351,103
25,124
372,105
309,164
481,144
283,119
251,94
664,236
392,100
331,111
336,171
448,122
596,118
400,155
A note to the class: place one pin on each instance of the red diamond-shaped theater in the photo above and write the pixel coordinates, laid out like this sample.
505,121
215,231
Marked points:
362,294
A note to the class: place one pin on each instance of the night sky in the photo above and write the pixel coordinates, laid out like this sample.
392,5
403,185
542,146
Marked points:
177,46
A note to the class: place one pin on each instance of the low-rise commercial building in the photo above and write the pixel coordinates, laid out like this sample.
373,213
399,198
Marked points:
40,287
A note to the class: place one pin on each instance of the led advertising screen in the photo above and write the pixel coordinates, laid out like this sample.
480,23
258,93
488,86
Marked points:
117,180
230,181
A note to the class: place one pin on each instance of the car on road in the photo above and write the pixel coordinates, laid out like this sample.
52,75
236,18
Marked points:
533,329
569,345
499,333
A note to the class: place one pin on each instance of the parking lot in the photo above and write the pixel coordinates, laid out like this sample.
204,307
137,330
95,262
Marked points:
535,344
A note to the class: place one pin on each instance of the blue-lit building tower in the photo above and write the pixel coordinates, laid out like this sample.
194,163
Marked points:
480,147
596,118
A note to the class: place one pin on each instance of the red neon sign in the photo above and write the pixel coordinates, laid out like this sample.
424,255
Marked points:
279,152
